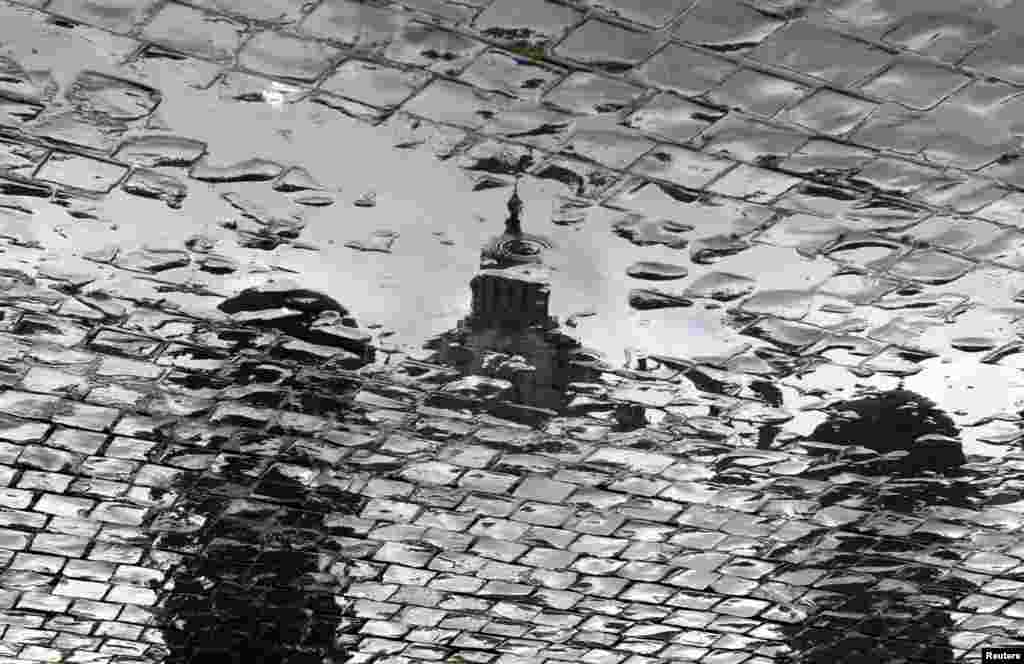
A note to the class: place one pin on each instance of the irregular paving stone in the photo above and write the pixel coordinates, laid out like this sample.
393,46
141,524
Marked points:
725,26
249,170
155,150
754,184
653,14
750,140
364,26
655,271
606,46
270,219
686,71
755,92
931,267
526,25
680,166
285,57
112,98
374,84
18,83
153,184
80,172
721,286
18,158
930,83
596,141
16,111
830,112
644,232
152,259
814,51
450,103
379,241
296,178
999,57
592,94
264,10
194,31
438,50
117,15
511,74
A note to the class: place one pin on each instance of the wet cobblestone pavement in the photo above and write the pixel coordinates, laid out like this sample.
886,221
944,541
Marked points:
272,391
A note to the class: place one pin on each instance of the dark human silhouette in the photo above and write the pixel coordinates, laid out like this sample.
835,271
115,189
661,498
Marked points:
251,586
897,420
872,622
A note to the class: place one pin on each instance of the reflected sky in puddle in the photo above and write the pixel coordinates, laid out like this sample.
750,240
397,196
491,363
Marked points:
740,309
440,222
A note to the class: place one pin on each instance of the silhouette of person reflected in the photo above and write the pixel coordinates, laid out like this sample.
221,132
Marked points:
892,601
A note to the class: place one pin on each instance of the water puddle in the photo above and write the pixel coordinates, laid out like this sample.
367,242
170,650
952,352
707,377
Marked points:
357,331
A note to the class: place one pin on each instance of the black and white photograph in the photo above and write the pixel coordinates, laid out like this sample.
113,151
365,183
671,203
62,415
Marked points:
511,331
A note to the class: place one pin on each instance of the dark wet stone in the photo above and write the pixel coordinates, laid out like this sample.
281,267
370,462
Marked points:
367,200
315,200
248,170
296,179
575,181
217,264
708,250
643,232
152,184
655,271
647,298
721,286
11,187
487,182
158,150
281,296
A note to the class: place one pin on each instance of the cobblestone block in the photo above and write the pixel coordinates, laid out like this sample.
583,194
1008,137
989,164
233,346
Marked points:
194,31
535,22
730,26
277,11
80,172
116,15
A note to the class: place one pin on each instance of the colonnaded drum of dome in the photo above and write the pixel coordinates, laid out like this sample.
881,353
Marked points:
511,331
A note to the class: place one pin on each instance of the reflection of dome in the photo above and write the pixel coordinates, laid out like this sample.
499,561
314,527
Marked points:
510,335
